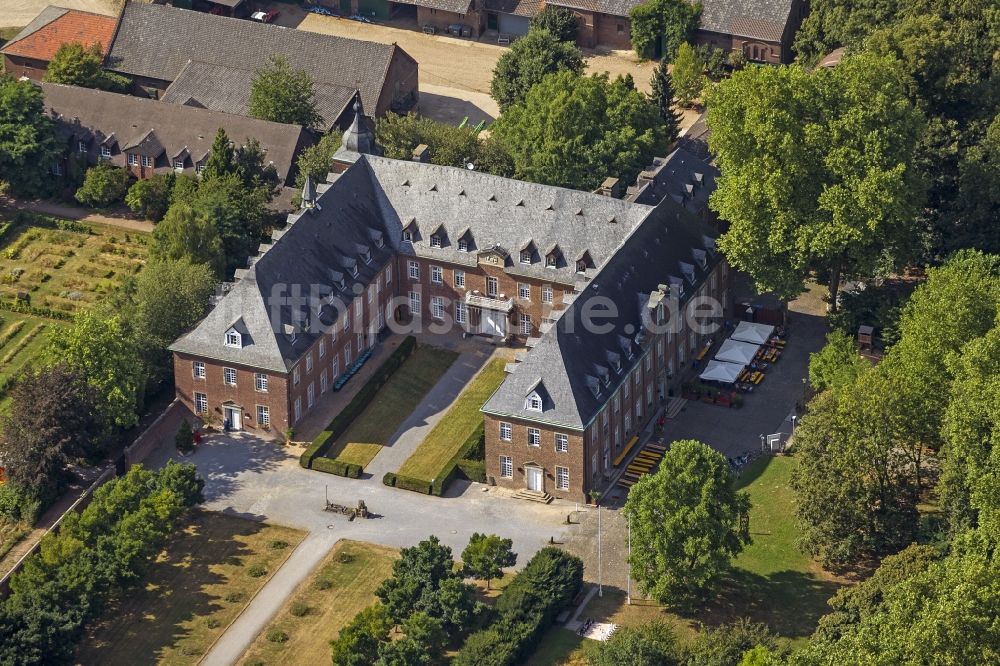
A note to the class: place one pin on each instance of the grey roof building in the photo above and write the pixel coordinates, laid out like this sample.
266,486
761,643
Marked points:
154,43
681,176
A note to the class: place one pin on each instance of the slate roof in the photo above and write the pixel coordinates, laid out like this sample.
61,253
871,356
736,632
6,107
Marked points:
569,358
227,89
527,8
610,7
681,176
695,139
157,41
500,211
757,19
95,115
55,26
454,6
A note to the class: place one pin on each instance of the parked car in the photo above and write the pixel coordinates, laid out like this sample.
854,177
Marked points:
265,17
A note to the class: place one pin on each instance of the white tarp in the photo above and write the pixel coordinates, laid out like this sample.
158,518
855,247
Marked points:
748,331
720,371
734,351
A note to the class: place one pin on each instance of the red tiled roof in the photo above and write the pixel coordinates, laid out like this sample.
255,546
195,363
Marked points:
73,26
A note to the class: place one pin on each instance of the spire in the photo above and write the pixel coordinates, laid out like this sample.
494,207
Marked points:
309,195
359,137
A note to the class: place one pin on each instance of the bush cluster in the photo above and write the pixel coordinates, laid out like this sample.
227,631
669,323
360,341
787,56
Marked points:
525,610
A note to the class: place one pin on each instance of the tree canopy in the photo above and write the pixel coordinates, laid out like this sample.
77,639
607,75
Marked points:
185,234
651,644
816,171
29,145
103,185
663,97
486,556
527,62
283,94
76,65
562,22
686,524
448,145
574,131
688,75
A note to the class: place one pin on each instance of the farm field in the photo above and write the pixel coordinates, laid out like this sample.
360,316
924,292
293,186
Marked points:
341,586
192,591
447,437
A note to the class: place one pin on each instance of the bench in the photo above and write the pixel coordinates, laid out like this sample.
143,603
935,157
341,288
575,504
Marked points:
628,447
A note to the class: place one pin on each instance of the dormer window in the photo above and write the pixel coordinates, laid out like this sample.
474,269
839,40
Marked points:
463,245
435,240
581,266
105,153
354,270
81,146
525,256
607,379
551,260
407,236
233,339
367,257
534,403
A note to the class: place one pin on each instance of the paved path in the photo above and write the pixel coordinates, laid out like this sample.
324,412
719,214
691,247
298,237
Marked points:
430,410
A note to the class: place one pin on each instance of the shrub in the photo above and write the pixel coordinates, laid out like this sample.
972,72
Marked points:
256,571
150,197
389,479
473,470
18,504
213,623
323,584
673,21
276,636
278,544
103,185
184,439
299,609
235,597
474,447
560,21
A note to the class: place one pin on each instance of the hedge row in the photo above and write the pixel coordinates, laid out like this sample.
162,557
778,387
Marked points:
22,307
331,466
467,462
343,420
407,483
525,610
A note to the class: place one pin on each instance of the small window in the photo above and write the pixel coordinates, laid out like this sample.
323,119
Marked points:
263,416
56,169
526,326
460,279
323,381
436,274
260,382
309,362
414,303
550,260
199,167
460,313
562,478
311,395
547,293
562,443
407,236
525,256
414,270
621,28
437,307
296,377
435,240
322,348
463,245
506,467
505,432
534,437
524,291
229,376
534,402
105,152
200,403
81,146
178,165
133,159
147,161
367,256
347,320
492,286
388,274
371,292
581,266
359,309
198,369
233,339
297,411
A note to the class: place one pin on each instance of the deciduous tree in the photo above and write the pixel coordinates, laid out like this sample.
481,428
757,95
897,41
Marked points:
666,23
28,142
651,644
562,22
359,642
688,76
486,556
686,524
283,94
837,364
150,197
103,185
186,235
76,65
527,62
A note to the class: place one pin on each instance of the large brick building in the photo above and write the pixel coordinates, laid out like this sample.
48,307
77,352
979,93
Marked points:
394,241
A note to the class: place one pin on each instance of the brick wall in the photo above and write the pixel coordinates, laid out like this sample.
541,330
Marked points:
544,455
770,52
613,32
17,67
400,85
441,19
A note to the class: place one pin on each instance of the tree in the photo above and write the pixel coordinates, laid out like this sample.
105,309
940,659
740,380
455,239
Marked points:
239,214
99,347
561,22
284,95
573,131
651,644
103,185
221,160
317,160
686,523
726,644
978,194
486,556
51,422
837,364
666,23
663,97
29,145
527,62
448,145
184,439
359,642
817,174
76,65
424,643
150,197
687,75
185,235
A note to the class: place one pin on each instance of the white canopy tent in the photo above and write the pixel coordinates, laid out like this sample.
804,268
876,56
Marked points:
749,331
720,371
734,351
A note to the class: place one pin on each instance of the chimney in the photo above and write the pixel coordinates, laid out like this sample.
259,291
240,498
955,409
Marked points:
646,177
611,187
422,153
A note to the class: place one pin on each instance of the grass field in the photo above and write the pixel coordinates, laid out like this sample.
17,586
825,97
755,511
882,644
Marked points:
22,338
350,573
396,400
64,269
191,593
444,440
10,534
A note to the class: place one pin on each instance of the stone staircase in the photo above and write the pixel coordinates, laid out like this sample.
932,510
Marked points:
674,407
533,496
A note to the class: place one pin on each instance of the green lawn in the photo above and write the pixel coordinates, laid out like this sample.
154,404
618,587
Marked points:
443,442
394,403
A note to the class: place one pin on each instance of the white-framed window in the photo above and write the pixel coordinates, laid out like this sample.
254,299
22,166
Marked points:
263,416
562,478
260,382
414,270
461,314
297,409
593,464
295,376
105,152
618,404
147,161
649,395
551,260
178,165
233,339
638,411
525,256
437,307
407,235
534,437
81,146
638,378
534,403
311,394
359,308
525,324
359,339
388,274
562,443
56,169
626,390
524,291
415,302
649,362
604,418
322,348
492,286
659,349
463,245
229,376
371,293
505,432
199,167
335,366
347,320
198,369
628,423
460,279
506,467
200,403
347,356
324,383
437,274
546,293
435,240
618,438
309,362
133,159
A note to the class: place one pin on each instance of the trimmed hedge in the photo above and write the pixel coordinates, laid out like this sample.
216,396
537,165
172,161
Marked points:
470,456
473,470
389,479
525,610
331,466
342,421
416,485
